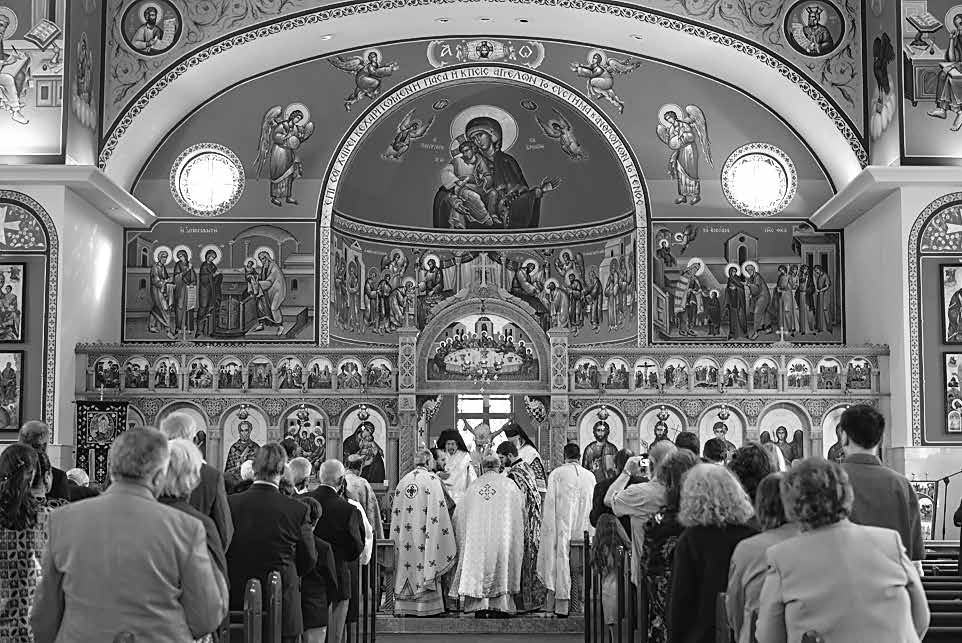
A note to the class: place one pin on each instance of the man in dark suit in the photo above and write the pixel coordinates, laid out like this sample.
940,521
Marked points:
36,434
78,485
341,527
883,498
210,495
271,533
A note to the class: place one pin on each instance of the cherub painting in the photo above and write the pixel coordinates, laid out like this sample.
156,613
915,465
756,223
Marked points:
368,71
560,130
599,73
409,130
283,131
685,132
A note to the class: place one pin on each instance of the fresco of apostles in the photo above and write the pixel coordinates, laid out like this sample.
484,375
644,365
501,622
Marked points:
483,341
719,284
220,282
587,289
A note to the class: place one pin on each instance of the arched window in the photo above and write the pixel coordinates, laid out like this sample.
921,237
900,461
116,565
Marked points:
144,257
742,255
143,284
294,285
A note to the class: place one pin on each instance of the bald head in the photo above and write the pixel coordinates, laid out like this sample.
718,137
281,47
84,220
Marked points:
490,463
331,473
659,451
178,426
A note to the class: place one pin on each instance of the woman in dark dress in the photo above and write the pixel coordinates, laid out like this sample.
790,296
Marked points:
319,583
714,510
661,533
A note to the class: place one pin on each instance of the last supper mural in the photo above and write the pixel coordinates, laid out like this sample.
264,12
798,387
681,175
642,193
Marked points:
483,346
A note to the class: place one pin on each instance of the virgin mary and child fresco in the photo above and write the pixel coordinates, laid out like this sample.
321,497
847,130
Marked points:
483,187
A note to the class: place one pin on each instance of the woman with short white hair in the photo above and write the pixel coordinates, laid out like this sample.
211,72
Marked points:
182,476
715,511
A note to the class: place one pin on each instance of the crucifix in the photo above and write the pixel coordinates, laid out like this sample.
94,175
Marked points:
484,272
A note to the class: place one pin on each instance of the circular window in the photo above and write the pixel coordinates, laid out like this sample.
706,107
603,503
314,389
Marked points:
759,180
207,179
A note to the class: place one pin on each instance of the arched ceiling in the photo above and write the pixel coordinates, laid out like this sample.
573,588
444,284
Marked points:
802,106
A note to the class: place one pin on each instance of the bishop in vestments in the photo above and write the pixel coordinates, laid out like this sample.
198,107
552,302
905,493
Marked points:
567,506
490,523
424,541
458,471
528,452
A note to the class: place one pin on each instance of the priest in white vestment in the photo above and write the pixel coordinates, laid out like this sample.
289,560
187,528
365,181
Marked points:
566,509
424,541
528,452
490,524
458,471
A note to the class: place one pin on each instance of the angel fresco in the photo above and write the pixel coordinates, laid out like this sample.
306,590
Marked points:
283,131
559,129
685,132
791,451
409,130
600,72
368,71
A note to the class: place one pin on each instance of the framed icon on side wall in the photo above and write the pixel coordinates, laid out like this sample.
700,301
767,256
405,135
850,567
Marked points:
11,390
953,393
951,303
11,301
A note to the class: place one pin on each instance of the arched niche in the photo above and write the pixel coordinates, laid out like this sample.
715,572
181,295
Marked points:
364,434
468,304
30,238
598,458
307,424
200,425
832,434
662,417
716,415
235,418
798,429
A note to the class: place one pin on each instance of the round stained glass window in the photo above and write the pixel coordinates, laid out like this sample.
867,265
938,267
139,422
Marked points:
759,180
207,180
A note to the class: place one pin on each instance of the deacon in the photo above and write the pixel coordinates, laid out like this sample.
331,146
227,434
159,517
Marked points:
424,543
458,472
527,452
567,507
533,591
490,523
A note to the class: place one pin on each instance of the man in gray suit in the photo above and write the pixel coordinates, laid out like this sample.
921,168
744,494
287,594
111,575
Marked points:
123,562
883,498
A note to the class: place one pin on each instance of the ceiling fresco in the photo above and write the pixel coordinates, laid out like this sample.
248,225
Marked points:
782,28
395,170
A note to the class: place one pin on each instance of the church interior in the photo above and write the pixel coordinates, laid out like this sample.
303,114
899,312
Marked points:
660,217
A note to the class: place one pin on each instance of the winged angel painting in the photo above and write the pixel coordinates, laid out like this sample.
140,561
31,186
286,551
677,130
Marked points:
369,70
685,132
283,131
409,130
560,130
600,72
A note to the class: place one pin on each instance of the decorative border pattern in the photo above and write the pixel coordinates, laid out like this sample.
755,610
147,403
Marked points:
813,91
761,149
430,238
189,154
53,272
915,330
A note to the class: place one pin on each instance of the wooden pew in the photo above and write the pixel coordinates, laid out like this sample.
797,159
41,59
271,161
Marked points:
256,624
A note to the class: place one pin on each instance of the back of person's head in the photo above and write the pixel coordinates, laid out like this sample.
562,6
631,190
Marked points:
713,496
863,425
658,452
43,476
688,440
18,507
572,451
609,536
750,463
138,455
490,463
354,463
769,509
247,470
331,473
78,476
270,461
672,472
715,450
183,471
621,459
314,509
423,458
177,426
507,448
290,447
775,456
35,434
816,493
300,469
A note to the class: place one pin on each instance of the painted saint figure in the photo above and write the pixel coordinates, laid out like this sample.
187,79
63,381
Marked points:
208,294
14,77
147,39
599,456
243,449
599,73
948,88
819,38
271,292
560,130
735,304
283,131
687,138
409,130
159,319
368,72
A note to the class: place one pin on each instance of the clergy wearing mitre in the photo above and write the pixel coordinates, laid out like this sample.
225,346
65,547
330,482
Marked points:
567,506
424,544
458,471
490,525
528,452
